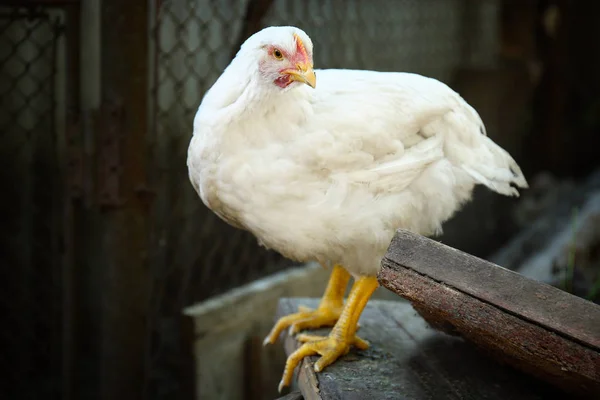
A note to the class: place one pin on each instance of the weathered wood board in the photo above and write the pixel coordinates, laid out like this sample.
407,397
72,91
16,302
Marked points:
409,360
230,328
535,327
292,396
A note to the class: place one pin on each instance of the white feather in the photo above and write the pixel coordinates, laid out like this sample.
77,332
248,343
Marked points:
329,174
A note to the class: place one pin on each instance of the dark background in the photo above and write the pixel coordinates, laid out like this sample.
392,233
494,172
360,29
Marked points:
103,240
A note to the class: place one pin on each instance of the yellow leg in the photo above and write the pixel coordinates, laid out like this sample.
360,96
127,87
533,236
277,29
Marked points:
342,336
326,314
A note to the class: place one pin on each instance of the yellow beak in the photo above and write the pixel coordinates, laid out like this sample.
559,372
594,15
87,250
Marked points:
304,73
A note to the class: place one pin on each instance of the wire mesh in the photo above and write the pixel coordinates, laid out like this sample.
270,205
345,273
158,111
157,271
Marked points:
193,45
30,295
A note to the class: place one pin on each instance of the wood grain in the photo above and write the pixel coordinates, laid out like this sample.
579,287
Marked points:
537,302
409,360
534,327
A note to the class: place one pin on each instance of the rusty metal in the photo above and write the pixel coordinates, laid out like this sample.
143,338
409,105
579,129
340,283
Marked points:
74,189
99,186
109,136
146,195
102,188
75,159
122,157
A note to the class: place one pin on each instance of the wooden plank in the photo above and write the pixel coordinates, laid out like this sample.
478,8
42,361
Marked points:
539,303
532,326
292,396
407,360
227,328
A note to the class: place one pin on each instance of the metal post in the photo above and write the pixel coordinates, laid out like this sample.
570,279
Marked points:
124,65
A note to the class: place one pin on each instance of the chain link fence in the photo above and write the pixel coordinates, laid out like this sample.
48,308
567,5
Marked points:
193,45
30,291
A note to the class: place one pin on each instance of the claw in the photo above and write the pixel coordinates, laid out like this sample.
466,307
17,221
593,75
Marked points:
304,309
304,319
341,338
357,342
281,324
326,314
329,347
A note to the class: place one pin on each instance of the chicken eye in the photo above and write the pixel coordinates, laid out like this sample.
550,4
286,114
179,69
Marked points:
277,54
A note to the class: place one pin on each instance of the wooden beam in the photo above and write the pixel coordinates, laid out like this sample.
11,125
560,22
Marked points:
533,326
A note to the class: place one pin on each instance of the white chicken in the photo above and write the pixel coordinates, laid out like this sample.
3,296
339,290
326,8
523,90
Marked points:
328,172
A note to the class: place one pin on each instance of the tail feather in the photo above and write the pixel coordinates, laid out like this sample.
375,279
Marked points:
501,174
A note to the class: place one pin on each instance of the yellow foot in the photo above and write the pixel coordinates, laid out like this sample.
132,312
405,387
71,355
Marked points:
329,347
342,336
306,318
356,341
326,314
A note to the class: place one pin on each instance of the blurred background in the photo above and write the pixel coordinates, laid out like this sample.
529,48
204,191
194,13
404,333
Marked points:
117,283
